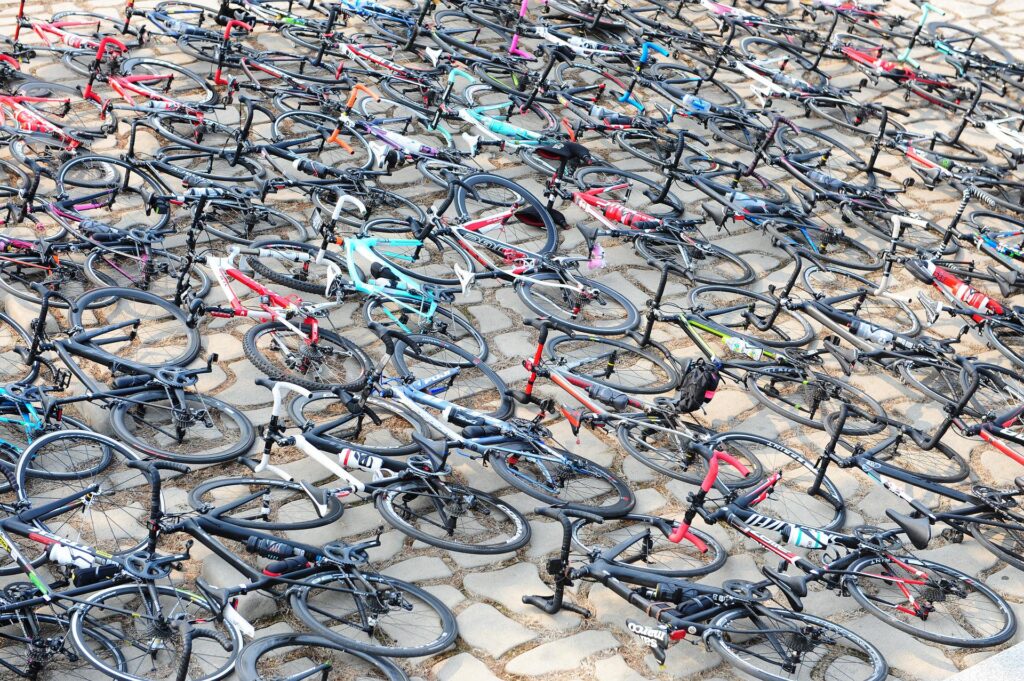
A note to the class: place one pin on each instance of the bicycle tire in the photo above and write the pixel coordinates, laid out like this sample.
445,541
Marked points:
444,324
395,504
109,303
484,390
305,274
706,301
300,596
567,305
660,556
875,667
507,459
368,667
615,363
201,611
703,262
946,593
231,435
811,393
303,362
1007,544
328,425
226,490
65,462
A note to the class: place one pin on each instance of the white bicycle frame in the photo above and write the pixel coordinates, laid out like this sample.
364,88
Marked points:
346,457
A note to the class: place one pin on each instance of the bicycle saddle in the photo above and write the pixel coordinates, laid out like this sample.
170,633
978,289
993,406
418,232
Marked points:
435,450
1019,481
918,530
793,587
564,151
541,323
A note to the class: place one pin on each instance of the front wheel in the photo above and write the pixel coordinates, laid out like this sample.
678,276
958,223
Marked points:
775,644
262,504
188,427
142,620
944,605
556,476
453,517
261,660
375,614
651,551
580,304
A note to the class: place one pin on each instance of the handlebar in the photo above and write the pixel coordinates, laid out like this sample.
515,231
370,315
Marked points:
101,49
359,87
279,390
645,51
562,515
232,24
390,336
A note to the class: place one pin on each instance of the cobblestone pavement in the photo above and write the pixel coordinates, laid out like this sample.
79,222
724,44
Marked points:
503,639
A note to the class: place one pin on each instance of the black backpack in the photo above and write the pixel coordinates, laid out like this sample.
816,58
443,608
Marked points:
698,385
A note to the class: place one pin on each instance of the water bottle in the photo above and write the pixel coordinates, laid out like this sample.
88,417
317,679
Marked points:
696,104
69,555
350,458
741,347
808,538
871,332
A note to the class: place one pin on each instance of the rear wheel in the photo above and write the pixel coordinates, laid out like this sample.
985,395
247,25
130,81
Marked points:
329,361
949,607
765,642
261,504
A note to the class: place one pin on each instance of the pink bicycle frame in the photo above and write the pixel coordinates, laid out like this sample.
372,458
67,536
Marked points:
682,531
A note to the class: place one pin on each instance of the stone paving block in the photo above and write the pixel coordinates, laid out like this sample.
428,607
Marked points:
463,667
560,656
484,628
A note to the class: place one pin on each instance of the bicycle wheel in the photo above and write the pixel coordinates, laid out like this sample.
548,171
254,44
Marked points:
184,427
329,425
325,360
304,656
13,368
375,614
141,327
262,504
58,464
833,287
453,517
530,226
110,190
457,376
304,133
811,398
652,552
154,271
64,107
950,607
163,80
618,364
1005,539
580,304
141,619
856,117
743,312
62,660
556,476
775,644
939,464
432,261
680,83
381,205
444,324
296,265
671,452
245,223
1007,338
702,262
